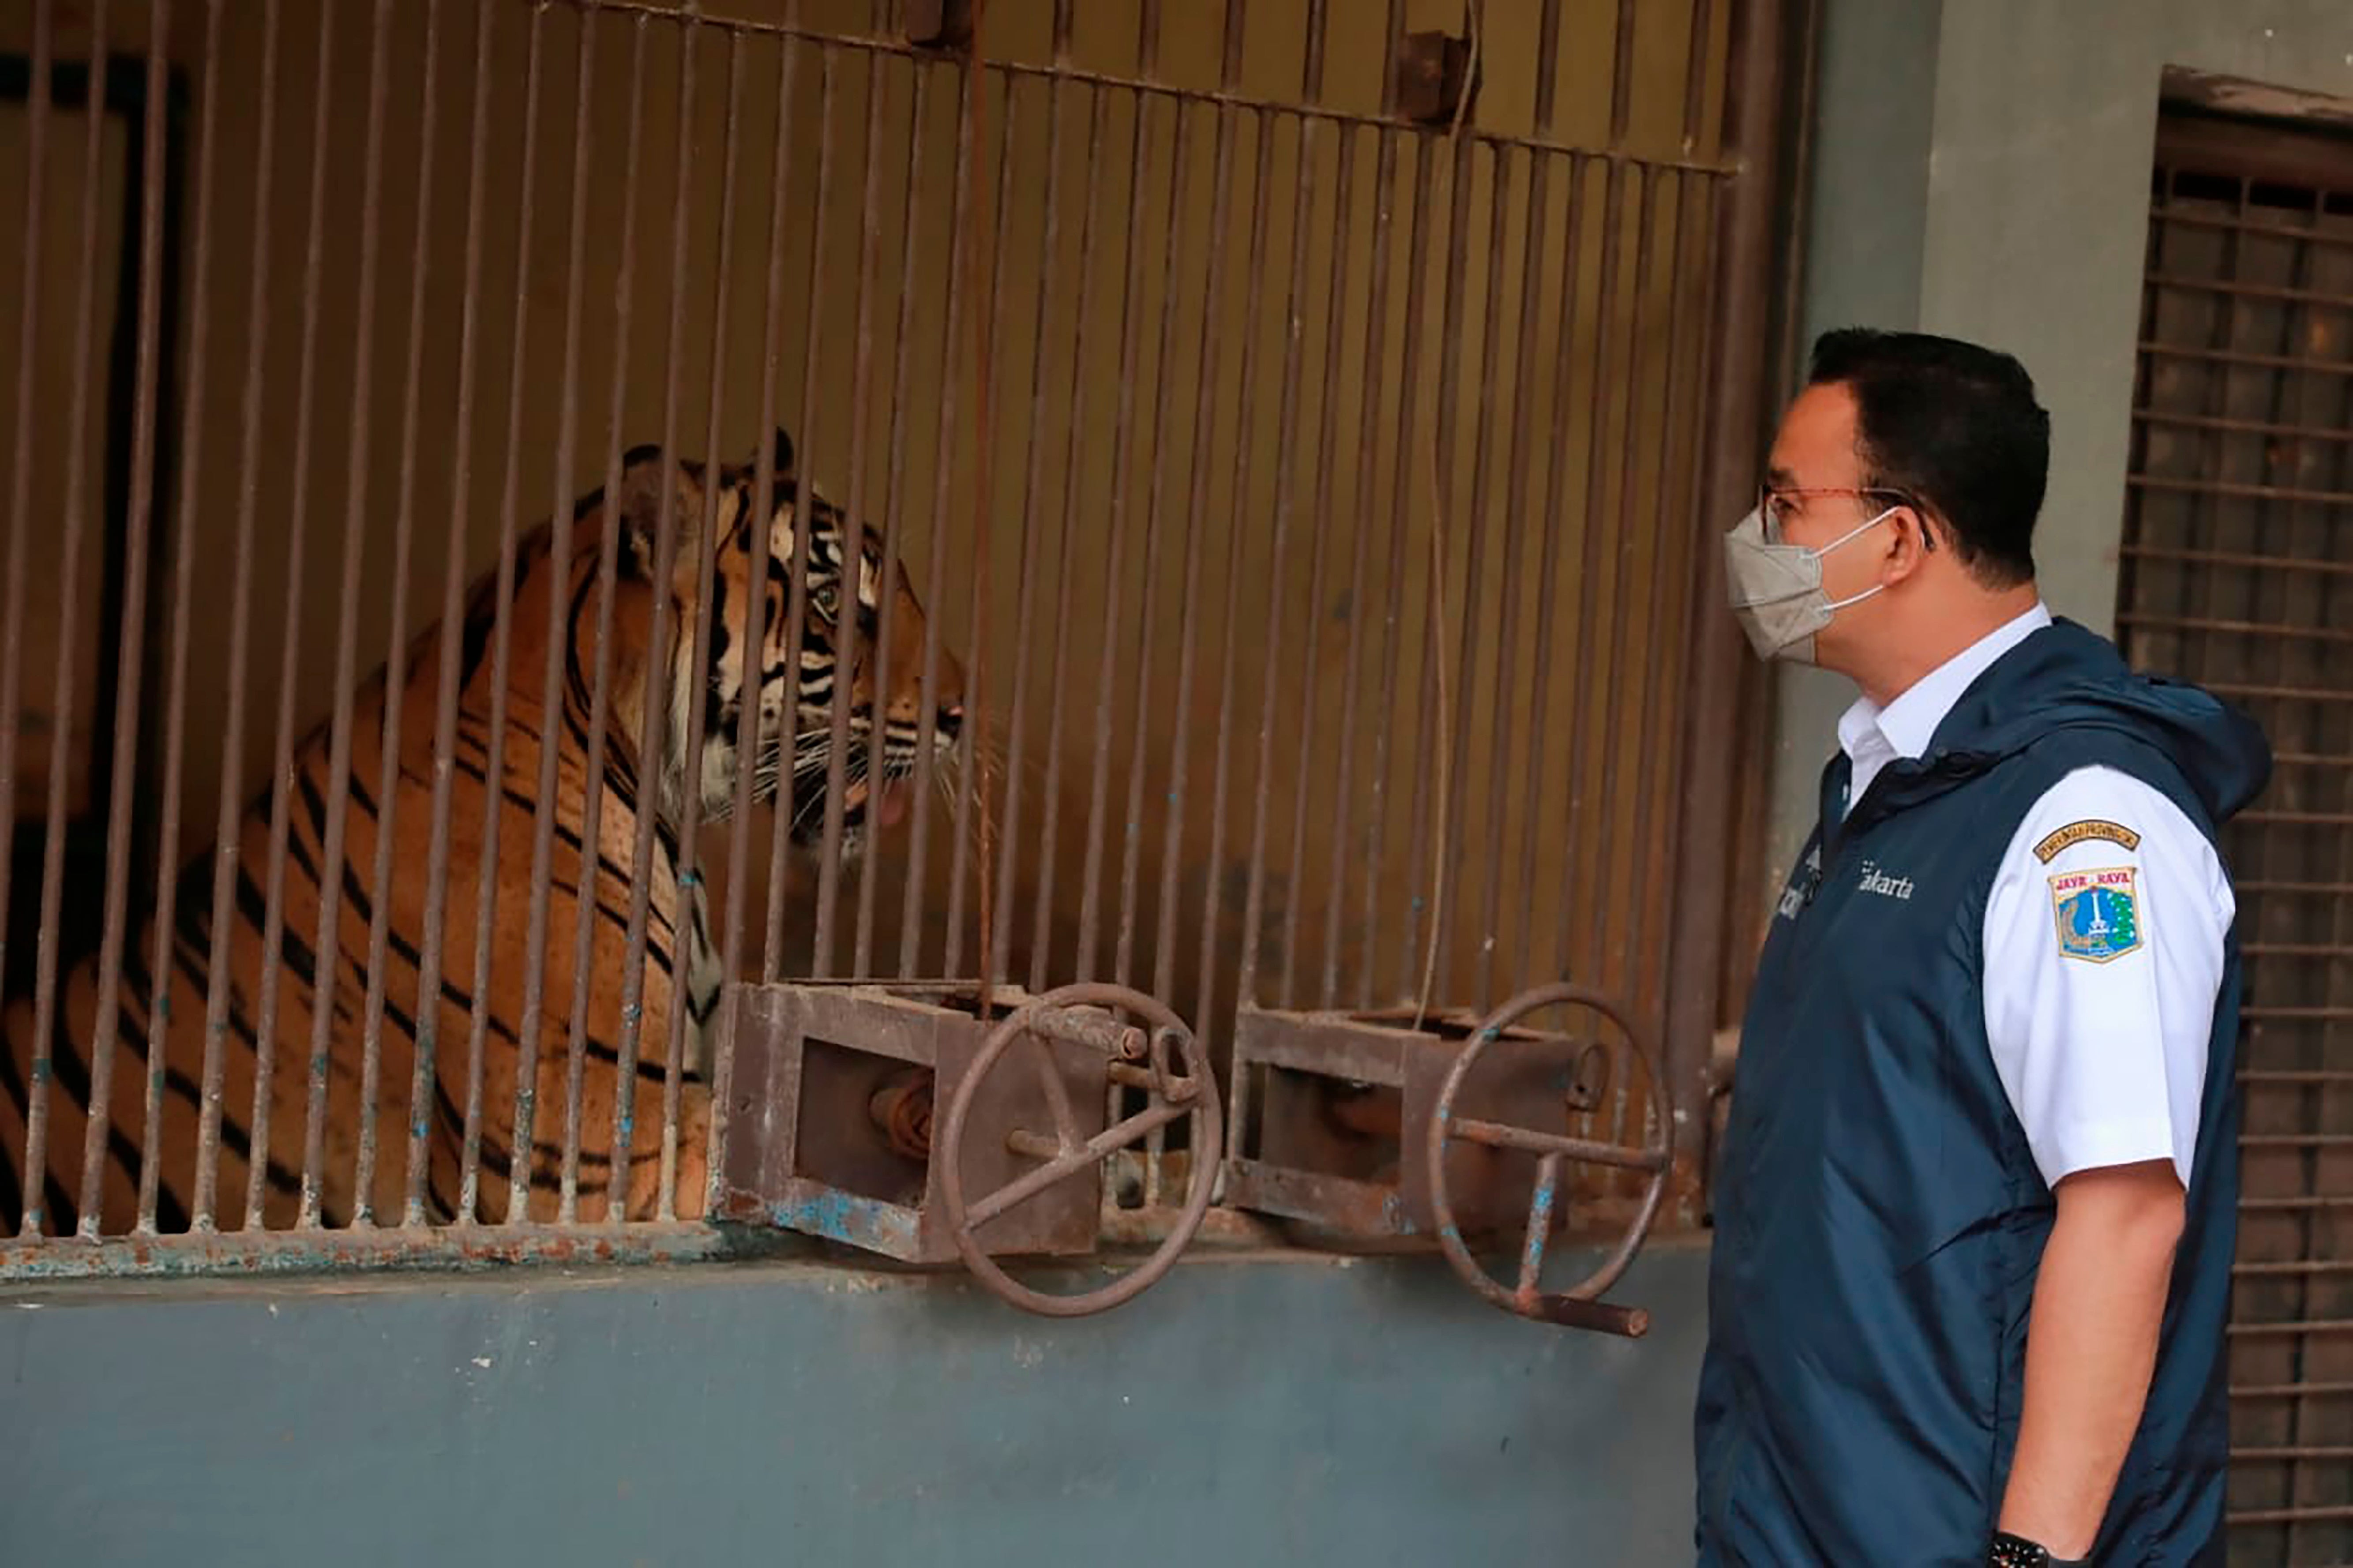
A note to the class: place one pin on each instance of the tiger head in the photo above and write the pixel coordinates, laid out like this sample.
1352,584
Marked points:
790,690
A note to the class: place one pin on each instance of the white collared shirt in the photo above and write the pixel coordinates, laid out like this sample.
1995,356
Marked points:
2098,1029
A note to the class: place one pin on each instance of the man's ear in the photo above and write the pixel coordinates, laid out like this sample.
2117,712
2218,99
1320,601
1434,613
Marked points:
638,506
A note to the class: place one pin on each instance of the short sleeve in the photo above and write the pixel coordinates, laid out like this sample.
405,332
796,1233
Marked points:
2103,940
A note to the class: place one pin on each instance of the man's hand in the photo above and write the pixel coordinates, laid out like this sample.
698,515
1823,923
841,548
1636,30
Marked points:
2091,1345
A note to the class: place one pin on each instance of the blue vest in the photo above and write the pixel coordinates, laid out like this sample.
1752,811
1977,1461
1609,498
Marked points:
1879,1217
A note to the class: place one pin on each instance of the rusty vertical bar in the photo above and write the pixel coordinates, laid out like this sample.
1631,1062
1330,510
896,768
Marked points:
1734,431
1032,482
970,821
1506,660
861,961
788,810
943,476
163,963
1400,487
1621,75
838,776
273,954
45,954
1200,441
1423,958
445,723
1393,30
1140,705
653,745
12,617
1368,417
787,815
329,945
756,765
687,926
1646,183
1114,557
1074,473
227,869
532,1026
1238,511
1548,568
493,774
585,912
1445,889
1597,543
395,640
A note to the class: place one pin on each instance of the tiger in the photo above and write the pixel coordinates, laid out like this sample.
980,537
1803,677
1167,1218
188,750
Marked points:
780,722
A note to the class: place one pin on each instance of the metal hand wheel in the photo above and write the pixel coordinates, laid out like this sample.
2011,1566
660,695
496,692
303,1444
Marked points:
1141,1058
1576,1307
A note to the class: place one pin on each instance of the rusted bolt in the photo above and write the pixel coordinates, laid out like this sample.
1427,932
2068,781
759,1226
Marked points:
902,1108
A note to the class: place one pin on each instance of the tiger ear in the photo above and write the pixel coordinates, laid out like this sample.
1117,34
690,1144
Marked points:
780,454
638,502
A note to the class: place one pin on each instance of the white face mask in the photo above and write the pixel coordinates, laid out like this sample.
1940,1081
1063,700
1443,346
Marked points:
1777,589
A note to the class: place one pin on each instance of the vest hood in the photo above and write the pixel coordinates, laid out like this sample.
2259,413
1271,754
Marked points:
2064,677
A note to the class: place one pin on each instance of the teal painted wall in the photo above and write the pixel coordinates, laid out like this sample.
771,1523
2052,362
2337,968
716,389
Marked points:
1242,1412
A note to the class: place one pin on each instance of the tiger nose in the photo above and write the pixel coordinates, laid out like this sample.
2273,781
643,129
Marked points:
949,720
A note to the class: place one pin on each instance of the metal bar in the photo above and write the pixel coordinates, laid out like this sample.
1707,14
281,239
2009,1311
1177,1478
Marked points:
853,550
2242,426
804,530
2303,889
1368,414
1020,1190
342,1251
494,776
755,607
2237,628
546,800
1572,249
1141,704
2296,1140
861,961
2275,693
328,945
226,846
46,954
2262,1013
1143,86
2252,562
298,529
2260,230
2289,1515
2301,1268
2293,1205
2210,488
1334,300
1400,489
122,770
1115,551
944,477
1200,438
1033,480
161,968
609,550
2248,361
12,583
1497,1135
1740,290
1072,470
430,953
1621,72
388,740
687,926
1426,837
2292,1391
654,740
2297,1328
972,811
2239,291
1539,1229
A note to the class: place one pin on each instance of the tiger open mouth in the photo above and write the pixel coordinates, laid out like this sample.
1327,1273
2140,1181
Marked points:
863,803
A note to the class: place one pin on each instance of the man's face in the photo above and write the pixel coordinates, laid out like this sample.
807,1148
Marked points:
1813,498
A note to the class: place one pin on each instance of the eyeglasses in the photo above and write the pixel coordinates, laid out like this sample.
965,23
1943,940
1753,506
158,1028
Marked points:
1772,501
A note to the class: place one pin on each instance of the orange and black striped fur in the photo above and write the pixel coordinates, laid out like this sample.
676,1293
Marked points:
788,737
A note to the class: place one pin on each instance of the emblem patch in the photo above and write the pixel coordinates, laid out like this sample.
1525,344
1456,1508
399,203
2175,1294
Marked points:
2079,832
2098,913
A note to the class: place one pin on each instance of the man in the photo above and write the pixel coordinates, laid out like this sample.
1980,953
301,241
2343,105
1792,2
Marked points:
1975,1207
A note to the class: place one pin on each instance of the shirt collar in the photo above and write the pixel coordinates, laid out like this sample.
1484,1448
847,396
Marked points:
1904,727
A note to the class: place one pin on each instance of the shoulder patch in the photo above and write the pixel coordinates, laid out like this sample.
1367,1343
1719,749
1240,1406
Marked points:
2097,912
2081,832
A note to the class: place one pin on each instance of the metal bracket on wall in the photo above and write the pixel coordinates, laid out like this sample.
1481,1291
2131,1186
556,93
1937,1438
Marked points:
1433,72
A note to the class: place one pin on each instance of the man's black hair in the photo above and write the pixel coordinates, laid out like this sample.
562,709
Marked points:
1955,427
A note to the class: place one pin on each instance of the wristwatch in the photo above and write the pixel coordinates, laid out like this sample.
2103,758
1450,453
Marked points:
2010,1550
